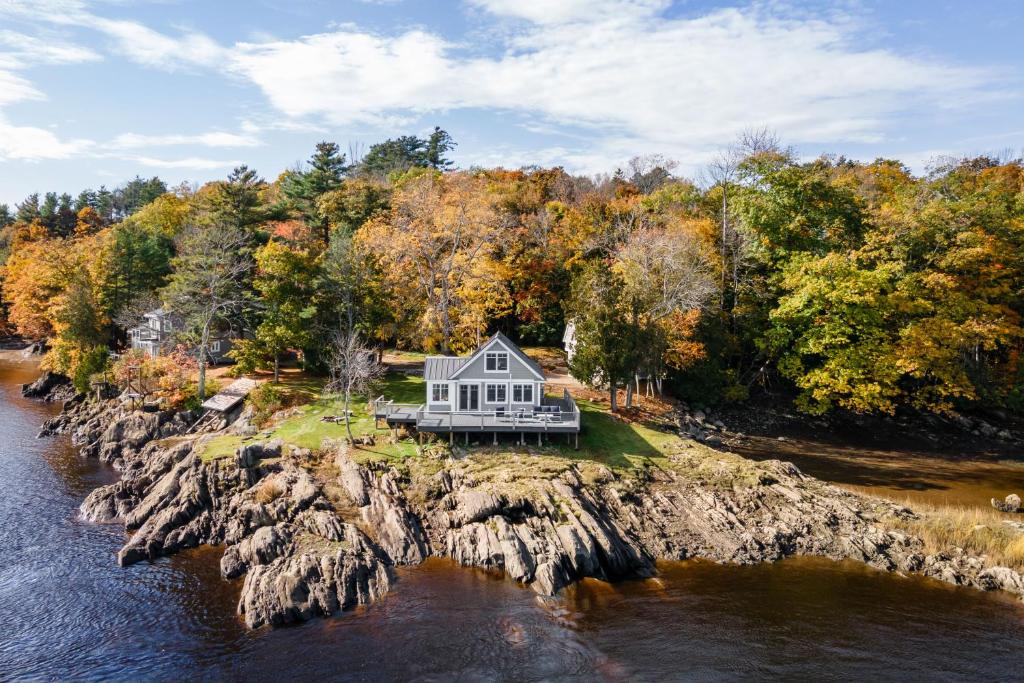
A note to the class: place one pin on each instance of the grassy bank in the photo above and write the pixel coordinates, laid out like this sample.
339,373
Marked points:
978,531
606,439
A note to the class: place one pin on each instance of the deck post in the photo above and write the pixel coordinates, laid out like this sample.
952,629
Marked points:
451,436
495,438
577,440
467,438
522,438
539,436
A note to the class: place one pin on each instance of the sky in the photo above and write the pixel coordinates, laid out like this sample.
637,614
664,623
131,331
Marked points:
95,92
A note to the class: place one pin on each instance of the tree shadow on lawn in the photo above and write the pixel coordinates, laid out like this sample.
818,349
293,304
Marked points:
608,440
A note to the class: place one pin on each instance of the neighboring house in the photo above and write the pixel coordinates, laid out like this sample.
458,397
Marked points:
155,336
569,340
496,389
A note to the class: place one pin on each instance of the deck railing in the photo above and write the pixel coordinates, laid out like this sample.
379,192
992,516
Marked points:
486,419
569,414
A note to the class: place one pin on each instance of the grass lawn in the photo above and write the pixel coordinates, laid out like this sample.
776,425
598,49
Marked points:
400,356
608,440
605,439
308,430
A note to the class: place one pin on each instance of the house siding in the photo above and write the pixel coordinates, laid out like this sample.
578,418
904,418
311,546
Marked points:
516,369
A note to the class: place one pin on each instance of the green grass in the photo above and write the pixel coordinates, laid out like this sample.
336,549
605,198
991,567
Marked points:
615,443
604,439
406,356
308,430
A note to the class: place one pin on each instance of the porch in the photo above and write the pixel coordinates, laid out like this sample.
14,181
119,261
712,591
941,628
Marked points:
553,416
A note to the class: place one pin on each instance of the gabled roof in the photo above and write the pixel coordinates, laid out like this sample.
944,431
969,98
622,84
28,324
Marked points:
440,368
513,349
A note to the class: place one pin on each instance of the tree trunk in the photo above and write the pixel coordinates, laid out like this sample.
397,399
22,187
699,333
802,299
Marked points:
348,422
629,394
613,397
202,379
277,368
725,232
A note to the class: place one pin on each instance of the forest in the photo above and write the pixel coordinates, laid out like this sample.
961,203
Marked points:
850,285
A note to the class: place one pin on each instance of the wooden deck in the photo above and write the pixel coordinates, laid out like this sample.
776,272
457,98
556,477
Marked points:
231,396
565,420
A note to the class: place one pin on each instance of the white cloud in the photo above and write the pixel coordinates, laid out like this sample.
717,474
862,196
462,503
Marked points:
618,75
33,144
351,76
28,50
212,139
18,52
635,80
152,48
564,11
196,163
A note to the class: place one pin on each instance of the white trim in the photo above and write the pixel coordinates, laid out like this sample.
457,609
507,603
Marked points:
532,386
215,346
458,396
430,392
497,385
483,349
497,355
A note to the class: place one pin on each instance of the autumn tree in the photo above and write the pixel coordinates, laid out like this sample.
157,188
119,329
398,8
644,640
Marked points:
207,286
436,248
284,281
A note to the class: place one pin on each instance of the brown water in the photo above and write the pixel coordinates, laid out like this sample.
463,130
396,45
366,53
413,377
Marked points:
903,474
68,612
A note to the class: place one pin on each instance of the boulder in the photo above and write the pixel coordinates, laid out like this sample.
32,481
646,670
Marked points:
50,386
1010,504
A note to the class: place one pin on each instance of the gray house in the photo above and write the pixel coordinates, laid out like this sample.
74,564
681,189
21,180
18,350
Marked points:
155,335
496,389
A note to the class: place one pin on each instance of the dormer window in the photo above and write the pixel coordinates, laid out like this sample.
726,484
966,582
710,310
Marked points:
168,326
496,361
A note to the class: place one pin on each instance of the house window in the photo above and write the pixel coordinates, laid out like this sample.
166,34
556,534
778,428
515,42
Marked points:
439,393
522,393
496,361
215,347
167,326
496,393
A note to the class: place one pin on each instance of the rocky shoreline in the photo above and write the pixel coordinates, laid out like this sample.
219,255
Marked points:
315,533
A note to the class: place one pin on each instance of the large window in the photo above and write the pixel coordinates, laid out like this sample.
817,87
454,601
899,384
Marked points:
496,361
439,393
496,393
522,393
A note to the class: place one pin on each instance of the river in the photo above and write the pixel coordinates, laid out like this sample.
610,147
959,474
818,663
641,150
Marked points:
68,612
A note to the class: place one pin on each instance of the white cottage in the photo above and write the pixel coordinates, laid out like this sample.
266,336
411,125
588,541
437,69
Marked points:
496,389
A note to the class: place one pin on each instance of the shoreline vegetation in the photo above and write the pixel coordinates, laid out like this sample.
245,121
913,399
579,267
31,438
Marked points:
847,287
312,529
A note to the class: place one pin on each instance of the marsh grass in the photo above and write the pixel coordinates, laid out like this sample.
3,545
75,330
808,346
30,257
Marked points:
976,530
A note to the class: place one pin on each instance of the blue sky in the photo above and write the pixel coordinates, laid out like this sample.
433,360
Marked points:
96,91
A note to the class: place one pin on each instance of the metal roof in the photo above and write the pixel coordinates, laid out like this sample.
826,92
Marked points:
438,368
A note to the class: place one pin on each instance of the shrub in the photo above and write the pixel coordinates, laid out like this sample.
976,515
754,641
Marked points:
91,364
170,377
266,400
268,492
